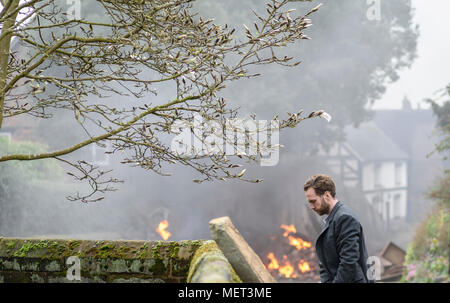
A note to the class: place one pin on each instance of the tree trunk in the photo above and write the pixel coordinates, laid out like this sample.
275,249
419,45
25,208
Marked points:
5,45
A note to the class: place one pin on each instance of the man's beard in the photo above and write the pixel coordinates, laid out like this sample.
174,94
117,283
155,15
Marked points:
324,209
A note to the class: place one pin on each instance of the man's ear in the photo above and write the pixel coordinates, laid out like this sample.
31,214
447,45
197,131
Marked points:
327,196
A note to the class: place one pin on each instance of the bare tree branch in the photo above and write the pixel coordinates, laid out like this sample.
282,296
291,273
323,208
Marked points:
132,49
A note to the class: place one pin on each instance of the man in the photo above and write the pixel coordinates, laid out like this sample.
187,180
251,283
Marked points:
340,246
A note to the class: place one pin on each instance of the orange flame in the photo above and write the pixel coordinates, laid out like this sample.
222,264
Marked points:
273,261
287,270
285,267
299,243
303,266
162,230
288,229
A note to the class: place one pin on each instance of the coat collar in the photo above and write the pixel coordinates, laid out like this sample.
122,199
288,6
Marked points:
333,211
331,216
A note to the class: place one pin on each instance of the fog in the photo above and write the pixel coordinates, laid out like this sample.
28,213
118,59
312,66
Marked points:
347,67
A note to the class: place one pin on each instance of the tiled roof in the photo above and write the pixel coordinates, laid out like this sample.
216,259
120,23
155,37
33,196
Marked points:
372,144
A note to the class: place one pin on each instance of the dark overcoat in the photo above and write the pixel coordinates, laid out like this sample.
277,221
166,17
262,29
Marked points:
341,249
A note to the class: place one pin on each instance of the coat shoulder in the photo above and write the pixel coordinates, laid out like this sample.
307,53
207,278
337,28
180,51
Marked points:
345,211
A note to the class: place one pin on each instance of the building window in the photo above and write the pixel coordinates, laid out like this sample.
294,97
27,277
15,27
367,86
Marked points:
397,205
398,173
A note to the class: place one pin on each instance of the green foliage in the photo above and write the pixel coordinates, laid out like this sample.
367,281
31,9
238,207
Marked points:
26,170
427,256
441,191
15,176
19,180
442,113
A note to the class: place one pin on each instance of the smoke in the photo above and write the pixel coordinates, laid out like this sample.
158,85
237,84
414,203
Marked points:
344,67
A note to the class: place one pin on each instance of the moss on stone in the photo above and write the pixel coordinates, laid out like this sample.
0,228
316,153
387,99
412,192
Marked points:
208,254
107,251
107,247
125,250
156,250
195,244
173,250
99,259
74,244
28,247
10,245
159,268
55,250
143,251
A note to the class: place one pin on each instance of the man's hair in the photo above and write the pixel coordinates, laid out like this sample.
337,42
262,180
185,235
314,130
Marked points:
321,183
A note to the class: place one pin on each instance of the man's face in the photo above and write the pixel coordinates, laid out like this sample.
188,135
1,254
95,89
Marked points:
317,203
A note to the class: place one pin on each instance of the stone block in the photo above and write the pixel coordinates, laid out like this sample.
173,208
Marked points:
244,260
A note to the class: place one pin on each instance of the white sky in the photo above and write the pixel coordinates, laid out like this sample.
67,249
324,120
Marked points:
431,69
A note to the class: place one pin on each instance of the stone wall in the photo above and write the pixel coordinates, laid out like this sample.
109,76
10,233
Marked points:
34,260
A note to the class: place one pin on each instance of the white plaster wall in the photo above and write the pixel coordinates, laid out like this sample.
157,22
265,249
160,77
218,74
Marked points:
387,175
387,198
368,176
404,174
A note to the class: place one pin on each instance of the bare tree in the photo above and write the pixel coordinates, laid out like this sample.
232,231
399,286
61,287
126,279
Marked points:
133,49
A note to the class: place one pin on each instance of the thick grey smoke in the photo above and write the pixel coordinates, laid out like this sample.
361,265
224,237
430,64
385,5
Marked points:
344,67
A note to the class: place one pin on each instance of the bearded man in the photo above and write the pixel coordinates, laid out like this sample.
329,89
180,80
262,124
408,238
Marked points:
340,247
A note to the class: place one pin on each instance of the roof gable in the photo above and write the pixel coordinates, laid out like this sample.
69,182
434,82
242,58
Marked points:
370,143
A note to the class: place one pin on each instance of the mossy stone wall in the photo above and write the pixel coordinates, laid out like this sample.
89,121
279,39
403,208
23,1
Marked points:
34,260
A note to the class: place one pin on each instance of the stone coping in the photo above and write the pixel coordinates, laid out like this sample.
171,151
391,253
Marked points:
209,265
44,260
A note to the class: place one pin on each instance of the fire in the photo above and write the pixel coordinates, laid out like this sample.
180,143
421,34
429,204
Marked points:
287,270
303,266
162,230
299,243
288,229
273,261
294,265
